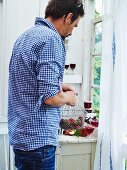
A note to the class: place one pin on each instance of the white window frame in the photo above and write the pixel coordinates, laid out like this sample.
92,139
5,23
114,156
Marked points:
93,54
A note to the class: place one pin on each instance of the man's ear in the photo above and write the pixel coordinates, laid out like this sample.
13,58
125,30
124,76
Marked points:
68,17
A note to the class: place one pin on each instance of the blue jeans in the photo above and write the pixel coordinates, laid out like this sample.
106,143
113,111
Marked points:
39,159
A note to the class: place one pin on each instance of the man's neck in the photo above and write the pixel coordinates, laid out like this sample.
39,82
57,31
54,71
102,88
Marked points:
58,24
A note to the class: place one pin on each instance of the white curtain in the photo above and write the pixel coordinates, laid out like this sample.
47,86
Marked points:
113,99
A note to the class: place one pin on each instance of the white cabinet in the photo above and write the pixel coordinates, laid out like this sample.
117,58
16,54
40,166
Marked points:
76,154
70,78
76,162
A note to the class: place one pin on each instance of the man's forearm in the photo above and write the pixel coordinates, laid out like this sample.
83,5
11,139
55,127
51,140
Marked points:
61,98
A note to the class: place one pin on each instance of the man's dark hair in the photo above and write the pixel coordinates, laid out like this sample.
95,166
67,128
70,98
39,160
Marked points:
58,8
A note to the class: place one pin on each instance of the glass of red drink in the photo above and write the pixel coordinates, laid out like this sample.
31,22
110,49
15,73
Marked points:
87,104
72,66
66,68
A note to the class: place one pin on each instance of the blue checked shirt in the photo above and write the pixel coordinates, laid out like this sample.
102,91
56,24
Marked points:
35,74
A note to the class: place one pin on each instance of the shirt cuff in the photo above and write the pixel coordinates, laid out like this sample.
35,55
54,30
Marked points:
43,97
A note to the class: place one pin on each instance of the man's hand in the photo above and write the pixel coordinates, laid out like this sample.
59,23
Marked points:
66,87
70,98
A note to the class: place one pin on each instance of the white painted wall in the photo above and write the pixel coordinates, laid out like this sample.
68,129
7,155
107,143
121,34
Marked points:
0,53
43,4
2,57
15,17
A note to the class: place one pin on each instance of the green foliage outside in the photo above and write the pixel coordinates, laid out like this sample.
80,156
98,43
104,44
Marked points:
97,68
96,90
125,164
97,59
97,14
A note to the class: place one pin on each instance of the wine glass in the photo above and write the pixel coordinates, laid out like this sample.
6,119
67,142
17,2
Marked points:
89,130
66,68
72,66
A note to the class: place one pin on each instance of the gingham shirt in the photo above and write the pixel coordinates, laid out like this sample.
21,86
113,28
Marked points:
35,73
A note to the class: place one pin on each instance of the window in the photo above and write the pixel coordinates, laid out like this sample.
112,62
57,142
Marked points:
98,8
96,56
96,63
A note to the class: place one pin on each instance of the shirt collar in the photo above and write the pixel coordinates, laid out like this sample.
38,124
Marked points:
42,21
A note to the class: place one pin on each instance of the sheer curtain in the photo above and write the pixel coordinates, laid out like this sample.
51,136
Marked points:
113,99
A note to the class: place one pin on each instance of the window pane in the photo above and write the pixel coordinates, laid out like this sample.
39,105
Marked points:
97,70
125,164
96,99
98,8
98,38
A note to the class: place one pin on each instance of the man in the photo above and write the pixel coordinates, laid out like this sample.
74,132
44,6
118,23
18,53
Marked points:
36,91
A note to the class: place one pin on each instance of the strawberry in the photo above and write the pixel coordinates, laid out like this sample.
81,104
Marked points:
64,123
71,121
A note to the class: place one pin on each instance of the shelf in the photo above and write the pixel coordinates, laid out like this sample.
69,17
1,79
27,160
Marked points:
72,78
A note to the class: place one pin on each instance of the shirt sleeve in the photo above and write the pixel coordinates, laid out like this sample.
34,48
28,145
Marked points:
48,69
